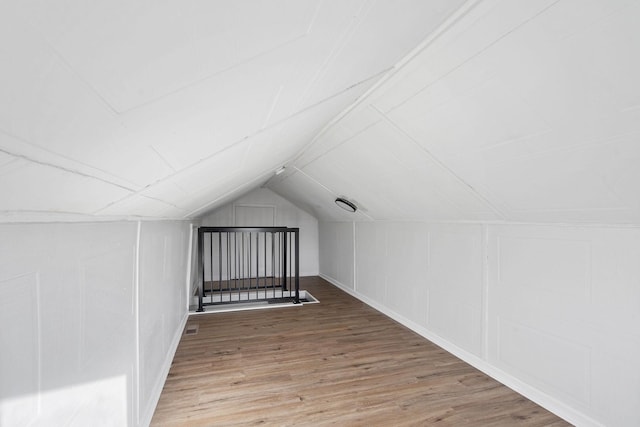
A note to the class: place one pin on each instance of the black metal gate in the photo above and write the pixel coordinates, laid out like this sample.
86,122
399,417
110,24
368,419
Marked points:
241,264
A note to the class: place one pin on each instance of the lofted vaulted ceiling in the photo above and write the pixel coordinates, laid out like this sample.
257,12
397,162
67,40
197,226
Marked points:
166,109
513,110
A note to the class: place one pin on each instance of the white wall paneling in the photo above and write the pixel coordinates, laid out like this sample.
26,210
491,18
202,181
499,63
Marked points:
552,311
564,312
337,252
21,355
71,308
454,278
163,266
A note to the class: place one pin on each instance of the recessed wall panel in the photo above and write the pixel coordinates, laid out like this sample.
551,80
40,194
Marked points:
107,287
371,259
336,251
616,378
162,276
542,357
20,350
406,274
455,284
559,266
564,314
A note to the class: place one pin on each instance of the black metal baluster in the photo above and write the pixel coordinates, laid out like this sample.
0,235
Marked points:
220,265
273,264
284,262
290,237
242,264
297,249
228,256
210,266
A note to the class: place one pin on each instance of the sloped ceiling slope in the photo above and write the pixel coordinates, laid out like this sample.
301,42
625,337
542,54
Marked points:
167,109
518,110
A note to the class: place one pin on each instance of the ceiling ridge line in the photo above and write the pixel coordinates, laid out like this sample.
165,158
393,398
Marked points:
441,164
346,35
163,158
340,144
390,72
256,133
474,55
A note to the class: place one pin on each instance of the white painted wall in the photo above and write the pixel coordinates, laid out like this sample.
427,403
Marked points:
336,252
552,311
286,215
91,315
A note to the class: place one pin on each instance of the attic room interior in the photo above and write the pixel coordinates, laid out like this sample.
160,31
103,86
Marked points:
490,151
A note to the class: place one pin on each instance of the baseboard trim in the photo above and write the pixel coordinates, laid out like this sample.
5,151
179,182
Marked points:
543,399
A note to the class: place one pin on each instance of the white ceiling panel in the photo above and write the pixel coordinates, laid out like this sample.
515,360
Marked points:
359,47
468,122
515,136
204,119
36,154
292,136
43,102
139,206
472,31
215,171
133,53
361,118
29,187
395,179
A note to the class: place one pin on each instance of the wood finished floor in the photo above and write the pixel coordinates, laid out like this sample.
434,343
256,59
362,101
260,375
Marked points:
339,362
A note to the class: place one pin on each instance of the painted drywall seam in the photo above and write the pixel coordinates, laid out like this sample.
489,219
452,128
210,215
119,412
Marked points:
353,236
136,305
39,323
520,223
546,401
485,292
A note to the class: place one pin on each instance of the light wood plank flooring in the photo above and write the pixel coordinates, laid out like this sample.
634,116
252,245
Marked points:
335,363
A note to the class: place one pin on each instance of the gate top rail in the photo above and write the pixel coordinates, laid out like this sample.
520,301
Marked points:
246,229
